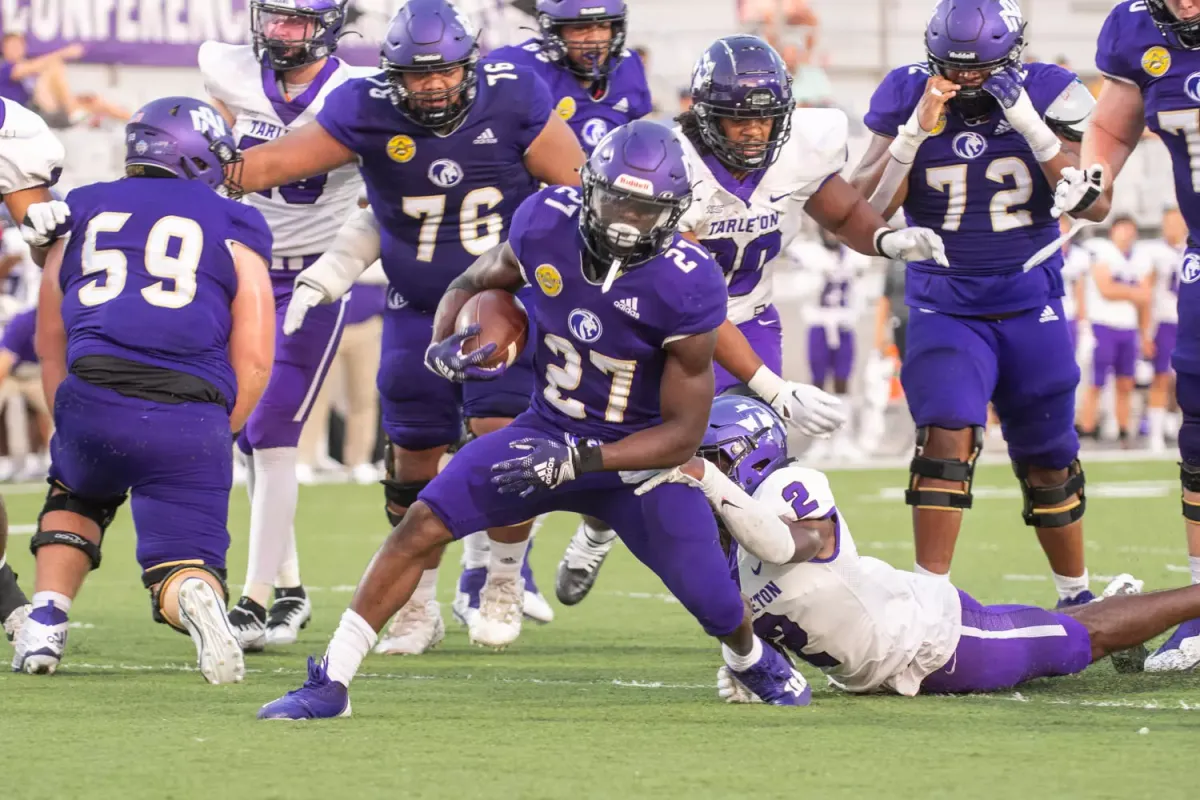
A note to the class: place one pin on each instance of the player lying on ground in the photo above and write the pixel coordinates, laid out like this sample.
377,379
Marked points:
155,331
617,398
866,624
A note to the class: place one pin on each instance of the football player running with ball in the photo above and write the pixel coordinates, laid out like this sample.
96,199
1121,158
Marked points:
1149,52
971,144
760,164
155,331
448,146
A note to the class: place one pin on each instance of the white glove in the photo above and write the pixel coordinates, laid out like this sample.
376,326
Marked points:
673,475
304,297
911,244
813,411
731,690
42,220
1077,190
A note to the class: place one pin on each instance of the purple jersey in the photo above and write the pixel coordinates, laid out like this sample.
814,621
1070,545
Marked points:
600,357
18,337
983,191
148,276
626,95
441,201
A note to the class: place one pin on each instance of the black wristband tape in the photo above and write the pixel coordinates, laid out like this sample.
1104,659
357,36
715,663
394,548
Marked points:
589,458
879,234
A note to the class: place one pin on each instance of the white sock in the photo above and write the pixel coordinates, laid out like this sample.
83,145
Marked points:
1070,587
742,663
289,571
506,559
1157,419
1194,563
476,547
272,511
350,644
594,536
426,587
917,568
61,601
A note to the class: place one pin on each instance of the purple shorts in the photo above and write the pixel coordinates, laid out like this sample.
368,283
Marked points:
766,339
825,360
1116,353
1164,345
1006,645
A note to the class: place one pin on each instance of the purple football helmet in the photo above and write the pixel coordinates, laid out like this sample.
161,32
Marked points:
745,440
287,34
179,136
977,37
742,77
431,36
636,186
1181,33
594,61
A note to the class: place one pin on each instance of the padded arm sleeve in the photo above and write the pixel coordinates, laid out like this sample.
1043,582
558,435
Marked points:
356,246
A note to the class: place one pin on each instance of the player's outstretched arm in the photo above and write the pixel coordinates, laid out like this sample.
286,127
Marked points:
840,209
555,156
297,155
50,336
252,339
355,248
1115,130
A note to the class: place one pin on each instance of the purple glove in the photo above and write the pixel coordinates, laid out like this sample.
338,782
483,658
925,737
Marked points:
546,464
1005,85
447,359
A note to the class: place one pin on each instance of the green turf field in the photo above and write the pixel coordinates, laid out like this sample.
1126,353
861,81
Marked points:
615,699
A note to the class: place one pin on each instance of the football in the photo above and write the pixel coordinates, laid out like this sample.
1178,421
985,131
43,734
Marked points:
503,321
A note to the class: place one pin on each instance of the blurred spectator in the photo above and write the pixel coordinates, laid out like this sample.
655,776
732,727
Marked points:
40,84
1063,62
764,14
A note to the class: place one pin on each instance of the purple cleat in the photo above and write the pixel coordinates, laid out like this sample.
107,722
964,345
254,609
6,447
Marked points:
1081,599
318,698
1180,653
771,680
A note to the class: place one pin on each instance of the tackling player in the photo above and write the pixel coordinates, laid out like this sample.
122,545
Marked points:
278,83
448,146
1149,52
970,144
155,335
870,626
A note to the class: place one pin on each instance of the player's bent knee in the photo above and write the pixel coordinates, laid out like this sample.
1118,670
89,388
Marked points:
925,468
1189,478
400,498
421,532
164,581
1056,505
60,498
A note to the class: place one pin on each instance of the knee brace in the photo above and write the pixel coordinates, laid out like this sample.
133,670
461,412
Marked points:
1189,478
1052,506
946,469
397,493
100,512
157,579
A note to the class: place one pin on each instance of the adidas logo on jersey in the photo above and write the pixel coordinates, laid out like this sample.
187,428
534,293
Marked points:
487,137
628,305
622,105
1048,315
1002,128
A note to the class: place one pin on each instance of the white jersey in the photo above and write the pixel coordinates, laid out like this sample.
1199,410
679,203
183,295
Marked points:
1163,261
30,155
1124,269
746,236
304,217
1077,262
865,623
841,271
24,279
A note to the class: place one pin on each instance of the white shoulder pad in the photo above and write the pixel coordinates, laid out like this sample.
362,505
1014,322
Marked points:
1071,112
794,493
219,65
703,186
31,155
819,140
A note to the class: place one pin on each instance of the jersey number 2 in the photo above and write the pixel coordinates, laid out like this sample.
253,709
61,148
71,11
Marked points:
179,269
953,181
786,633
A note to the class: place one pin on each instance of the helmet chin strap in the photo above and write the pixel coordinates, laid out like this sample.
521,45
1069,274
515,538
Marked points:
611,276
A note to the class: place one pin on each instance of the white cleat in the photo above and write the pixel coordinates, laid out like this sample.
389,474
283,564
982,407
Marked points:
41,642
365,474
461,608
417,628
202,612
288,615
1123,584
498,622
537,608
1180,653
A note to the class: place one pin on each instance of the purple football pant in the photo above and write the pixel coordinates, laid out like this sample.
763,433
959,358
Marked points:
1115,353
301,363
1164,345
422,410
954,365
765,336
174,458
826,361
1073,332
1187,393
1006,645
670,529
